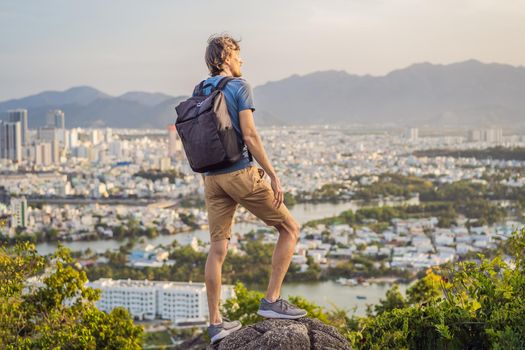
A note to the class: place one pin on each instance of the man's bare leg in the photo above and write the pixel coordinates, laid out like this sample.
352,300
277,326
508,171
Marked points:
282,256
213,277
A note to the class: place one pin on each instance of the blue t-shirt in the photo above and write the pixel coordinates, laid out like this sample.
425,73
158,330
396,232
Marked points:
239,96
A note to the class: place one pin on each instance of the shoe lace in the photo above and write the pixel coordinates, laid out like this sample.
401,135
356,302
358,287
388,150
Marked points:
285,305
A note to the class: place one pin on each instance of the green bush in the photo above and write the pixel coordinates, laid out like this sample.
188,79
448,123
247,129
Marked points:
470,305
44,304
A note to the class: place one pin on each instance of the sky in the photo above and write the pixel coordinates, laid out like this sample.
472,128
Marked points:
118,46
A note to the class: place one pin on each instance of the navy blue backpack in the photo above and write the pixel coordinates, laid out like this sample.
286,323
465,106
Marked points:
206,131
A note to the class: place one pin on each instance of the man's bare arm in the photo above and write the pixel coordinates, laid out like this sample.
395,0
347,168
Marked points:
255,146
253,141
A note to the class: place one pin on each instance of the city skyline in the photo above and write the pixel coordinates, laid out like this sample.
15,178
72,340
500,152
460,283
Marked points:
57,45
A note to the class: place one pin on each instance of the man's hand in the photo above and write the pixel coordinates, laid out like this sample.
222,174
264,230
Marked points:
277,192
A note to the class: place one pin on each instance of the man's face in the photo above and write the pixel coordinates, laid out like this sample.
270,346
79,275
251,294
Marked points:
235,63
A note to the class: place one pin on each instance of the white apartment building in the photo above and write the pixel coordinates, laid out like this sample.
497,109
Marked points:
412,134
19,212
179,302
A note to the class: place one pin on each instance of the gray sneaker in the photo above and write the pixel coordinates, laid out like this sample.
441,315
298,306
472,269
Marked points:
222,330
280,309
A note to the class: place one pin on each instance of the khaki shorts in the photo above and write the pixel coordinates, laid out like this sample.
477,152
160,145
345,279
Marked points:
246,187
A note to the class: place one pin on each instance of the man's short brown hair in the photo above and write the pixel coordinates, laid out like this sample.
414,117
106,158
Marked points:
220,46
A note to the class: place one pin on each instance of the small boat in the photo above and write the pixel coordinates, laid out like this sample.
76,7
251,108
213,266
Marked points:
361,297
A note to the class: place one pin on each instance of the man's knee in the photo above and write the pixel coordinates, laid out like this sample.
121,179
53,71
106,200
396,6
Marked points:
218,250
290,227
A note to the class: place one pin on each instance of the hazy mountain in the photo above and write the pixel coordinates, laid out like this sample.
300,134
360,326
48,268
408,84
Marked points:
88,107
145,98
81,95
468,93
111,112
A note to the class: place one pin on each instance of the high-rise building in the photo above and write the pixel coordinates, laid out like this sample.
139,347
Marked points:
108,135
474,135
82,152
5,197
63,138
494,135
174,142
115,149
55,152
95,136
20,115
73,138
56,119
43,154
19,212
11,141
49,134
164,163
412,134
57,138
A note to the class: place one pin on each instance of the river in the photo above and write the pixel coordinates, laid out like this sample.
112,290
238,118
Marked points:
303,213
322,293
329,293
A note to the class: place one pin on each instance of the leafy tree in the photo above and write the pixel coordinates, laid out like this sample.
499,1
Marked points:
44,304
425,289
152,232
243,306
394,300
313,309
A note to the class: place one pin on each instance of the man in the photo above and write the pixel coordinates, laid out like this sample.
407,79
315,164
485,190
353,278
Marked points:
242,183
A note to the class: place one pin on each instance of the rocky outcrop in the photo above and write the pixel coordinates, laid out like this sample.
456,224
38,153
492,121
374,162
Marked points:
273,334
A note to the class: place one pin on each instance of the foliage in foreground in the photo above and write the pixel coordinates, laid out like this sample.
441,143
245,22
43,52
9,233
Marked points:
44,304
470,305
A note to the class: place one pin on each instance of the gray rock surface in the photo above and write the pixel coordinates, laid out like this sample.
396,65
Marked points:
278,334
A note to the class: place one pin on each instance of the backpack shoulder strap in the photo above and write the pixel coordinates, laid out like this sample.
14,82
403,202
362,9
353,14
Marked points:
199,89
222,83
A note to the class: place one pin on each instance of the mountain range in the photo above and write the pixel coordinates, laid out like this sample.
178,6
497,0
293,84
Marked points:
469,93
